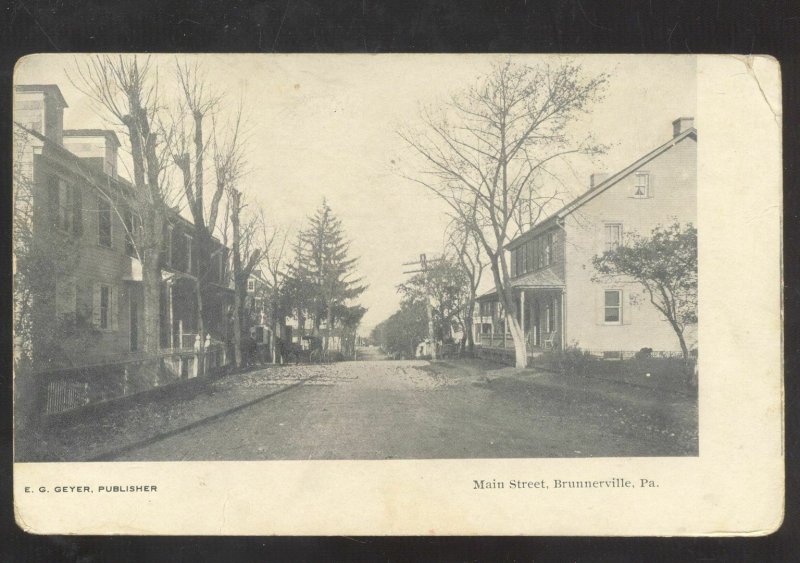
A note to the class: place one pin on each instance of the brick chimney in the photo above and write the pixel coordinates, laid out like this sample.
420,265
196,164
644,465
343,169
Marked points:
40,107
681,124
97,146
597,178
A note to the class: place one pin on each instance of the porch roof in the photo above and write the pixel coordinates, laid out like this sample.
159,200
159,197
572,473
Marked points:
540,279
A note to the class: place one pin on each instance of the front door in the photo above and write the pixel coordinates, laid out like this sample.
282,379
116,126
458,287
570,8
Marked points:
134,322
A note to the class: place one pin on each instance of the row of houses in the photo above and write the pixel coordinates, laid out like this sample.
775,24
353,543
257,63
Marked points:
560,301
70,195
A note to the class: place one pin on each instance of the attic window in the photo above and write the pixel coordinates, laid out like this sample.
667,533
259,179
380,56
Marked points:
641,186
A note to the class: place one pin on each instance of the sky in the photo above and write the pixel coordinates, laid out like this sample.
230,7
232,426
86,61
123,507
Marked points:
325,126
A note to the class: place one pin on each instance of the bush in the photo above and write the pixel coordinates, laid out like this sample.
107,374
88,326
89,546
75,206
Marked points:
569,361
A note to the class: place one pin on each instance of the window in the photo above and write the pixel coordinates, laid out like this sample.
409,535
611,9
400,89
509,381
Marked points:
168,244
66,297
105,306
188,241
104,312
524,255
65,206
132,225
613,235
221,266
104,222
251,285
529,252
641,186
548,249
612,306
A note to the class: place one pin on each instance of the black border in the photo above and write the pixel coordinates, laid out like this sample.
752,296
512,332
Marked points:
379,26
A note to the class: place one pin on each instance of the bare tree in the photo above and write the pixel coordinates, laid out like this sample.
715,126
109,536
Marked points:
465,247
189,150
487,152
125,88
245,259
273,242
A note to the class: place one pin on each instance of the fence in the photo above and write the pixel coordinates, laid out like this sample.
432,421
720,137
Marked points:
69,389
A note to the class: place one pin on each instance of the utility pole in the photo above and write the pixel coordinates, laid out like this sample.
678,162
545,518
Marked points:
423,267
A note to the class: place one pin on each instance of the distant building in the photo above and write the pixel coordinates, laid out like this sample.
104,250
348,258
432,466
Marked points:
551,264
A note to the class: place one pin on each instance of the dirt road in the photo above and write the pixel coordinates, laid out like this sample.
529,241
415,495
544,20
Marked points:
411,409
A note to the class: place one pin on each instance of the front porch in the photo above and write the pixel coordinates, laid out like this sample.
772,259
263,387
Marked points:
538,310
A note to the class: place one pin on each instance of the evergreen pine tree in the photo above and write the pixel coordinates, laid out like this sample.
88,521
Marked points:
324,276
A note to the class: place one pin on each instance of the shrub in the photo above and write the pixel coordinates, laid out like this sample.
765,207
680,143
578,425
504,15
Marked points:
571,360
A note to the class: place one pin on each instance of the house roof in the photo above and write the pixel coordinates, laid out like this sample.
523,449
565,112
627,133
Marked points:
107,133
66,153
51,89
540,279
600,188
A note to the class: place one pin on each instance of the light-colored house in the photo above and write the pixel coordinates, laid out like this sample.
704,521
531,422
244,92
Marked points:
558,301
75,225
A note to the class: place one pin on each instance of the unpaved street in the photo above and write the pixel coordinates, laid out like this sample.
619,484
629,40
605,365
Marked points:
409,409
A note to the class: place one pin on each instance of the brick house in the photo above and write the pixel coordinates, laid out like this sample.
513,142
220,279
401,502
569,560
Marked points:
551,264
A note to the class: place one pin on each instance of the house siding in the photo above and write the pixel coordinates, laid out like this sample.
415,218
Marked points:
673,177
95,264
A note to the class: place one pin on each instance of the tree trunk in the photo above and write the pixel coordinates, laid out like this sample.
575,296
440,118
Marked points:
517,333
468,326
237,281
687,367
151,318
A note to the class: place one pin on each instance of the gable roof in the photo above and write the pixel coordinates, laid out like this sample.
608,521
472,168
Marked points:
601,187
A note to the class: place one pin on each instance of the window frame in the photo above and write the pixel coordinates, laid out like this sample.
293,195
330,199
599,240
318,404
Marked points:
608,244
188,240
105,309
251,285
101,202
637,185
617,307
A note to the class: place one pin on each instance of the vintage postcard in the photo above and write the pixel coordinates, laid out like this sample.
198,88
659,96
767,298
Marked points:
398,294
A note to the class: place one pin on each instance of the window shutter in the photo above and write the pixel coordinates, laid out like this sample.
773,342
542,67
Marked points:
96,305
52,199
114,306
627,306
513,263
77,211
651,187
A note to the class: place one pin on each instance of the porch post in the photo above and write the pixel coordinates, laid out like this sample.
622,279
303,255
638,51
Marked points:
522,314
171,319
563,319
505,332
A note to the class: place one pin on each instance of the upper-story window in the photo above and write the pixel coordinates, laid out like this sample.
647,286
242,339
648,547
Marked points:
133,225
188,241
533,255
251,285
65,206
103,222
612,235
641,186
168,246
